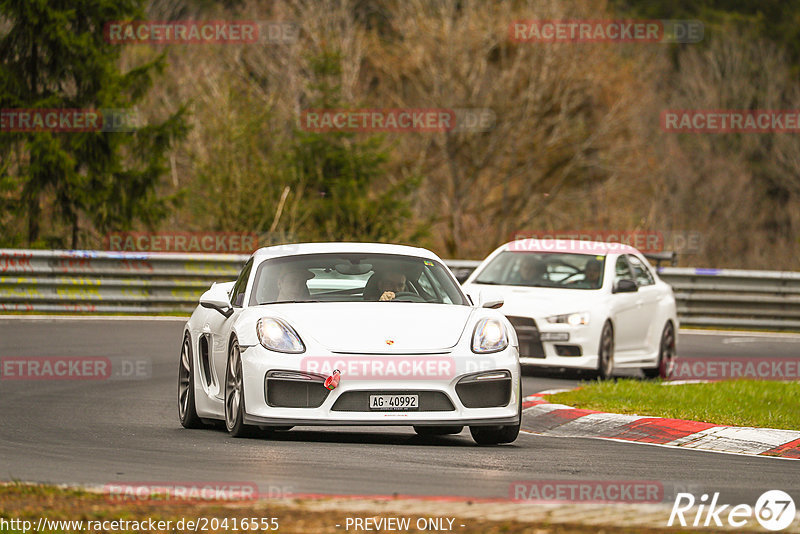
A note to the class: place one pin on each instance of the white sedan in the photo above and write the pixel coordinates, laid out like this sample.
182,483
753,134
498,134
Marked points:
349,334
583,305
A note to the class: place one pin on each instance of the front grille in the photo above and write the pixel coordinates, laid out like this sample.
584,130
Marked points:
492,393
530,346
358,401
283,390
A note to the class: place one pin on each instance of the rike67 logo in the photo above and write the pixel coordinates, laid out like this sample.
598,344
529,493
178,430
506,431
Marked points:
774,510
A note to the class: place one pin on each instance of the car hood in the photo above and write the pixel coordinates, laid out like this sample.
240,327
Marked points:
368,327
539,301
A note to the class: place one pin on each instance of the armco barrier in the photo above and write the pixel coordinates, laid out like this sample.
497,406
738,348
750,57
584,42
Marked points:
131,282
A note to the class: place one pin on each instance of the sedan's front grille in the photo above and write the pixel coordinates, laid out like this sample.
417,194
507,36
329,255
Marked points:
530,346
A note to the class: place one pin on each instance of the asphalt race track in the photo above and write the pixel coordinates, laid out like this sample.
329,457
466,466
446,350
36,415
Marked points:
113,431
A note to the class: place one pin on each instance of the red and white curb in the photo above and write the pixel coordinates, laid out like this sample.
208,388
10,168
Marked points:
544,418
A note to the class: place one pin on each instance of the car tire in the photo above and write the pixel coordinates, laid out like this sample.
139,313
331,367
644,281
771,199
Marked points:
234,395
666,355
605,353
494,435
437,430
187,410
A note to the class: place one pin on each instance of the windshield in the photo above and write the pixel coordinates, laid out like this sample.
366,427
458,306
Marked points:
354,278
544,269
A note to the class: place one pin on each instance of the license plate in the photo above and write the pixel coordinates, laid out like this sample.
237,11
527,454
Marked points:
393,402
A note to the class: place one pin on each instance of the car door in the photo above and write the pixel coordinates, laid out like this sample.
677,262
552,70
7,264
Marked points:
220,327
625,310
649,293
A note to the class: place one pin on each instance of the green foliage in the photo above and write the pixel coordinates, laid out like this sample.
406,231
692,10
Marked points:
348,193
774,20
756,403
55,56
254,175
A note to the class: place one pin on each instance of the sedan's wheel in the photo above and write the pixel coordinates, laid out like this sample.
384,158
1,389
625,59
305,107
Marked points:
666,355
494,435
605,356
234,395
437,430
187,411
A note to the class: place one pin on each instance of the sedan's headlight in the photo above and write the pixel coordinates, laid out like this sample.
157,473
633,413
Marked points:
573,319
275,334
489,336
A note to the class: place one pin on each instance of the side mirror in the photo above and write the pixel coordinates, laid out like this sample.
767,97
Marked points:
625,286
490,299
216,298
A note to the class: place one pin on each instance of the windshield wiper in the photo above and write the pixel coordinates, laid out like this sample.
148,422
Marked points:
488,283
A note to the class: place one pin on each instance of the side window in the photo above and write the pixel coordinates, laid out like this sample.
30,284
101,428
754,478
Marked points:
640,272
622,270
239,288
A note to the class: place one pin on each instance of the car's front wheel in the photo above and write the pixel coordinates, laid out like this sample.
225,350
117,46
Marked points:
494,435
187,411
666,355
234,395
605,353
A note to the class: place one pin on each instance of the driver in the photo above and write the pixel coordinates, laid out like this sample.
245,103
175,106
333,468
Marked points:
592,273
591,276
292,285
390,283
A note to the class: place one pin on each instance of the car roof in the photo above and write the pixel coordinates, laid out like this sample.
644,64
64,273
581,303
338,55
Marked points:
297,249
574,246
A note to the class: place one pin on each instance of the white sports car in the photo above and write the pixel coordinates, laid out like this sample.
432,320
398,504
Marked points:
349,334
583,305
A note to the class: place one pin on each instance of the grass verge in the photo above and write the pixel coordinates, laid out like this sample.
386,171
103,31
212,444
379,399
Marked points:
755,403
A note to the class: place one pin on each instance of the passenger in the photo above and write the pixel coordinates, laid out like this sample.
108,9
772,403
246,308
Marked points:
532,272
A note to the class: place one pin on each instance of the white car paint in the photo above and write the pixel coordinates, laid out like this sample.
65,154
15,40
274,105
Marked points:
638,318
350,331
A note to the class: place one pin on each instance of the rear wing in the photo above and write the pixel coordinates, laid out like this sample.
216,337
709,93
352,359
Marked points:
670,255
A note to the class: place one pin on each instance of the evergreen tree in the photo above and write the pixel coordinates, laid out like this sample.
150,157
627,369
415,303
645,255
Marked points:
54,56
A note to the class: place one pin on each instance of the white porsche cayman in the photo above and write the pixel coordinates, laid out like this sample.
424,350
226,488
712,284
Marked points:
349,334
583,305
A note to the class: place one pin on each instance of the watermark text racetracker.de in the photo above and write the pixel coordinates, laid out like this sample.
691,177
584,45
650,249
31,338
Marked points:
606,31
645,241
71,120
200,32
192,491
587,491
736,368
211,242
395,367
719,121
26,368
397,120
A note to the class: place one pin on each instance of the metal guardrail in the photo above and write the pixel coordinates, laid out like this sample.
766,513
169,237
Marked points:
131,282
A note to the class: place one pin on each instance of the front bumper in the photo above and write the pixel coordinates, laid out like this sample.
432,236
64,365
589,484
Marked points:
282,390
563,345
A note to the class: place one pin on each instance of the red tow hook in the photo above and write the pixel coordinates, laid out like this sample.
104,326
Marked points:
332,381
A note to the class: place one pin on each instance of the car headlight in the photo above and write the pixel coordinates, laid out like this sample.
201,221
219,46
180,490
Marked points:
489,336
275,334
572,319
